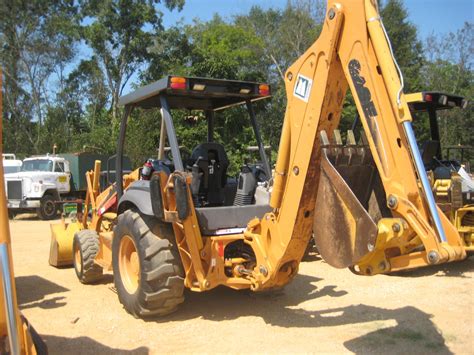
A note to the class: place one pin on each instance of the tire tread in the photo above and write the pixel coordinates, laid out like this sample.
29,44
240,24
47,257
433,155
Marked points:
88,241
162,283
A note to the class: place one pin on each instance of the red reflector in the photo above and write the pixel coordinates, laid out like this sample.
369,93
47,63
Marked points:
264,89
179,86
177,79
428,98
221,248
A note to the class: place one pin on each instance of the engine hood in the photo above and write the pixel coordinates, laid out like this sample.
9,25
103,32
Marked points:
32,175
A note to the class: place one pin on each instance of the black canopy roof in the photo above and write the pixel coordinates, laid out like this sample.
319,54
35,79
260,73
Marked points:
426,100
196,93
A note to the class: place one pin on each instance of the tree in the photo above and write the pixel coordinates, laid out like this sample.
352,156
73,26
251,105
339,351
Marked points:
449,68
407,47
286,34
37,41
211,49
223,50
116,30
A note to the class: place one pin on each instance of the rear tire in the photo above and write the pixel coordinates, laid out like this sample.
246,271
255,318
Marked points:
148,274
48,209
85,248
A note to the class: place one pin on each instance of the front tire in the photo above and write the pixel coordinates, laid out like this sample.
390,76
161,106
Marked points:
85,248
47,209
148,274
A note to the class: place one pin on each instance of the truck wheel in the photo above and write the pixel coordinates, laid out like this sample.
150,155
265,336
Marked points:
148,274
85,248
48,209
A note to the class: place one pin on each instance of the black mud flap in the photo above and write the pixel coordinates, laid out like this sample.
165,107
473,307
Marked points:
181,193
344,231
156,197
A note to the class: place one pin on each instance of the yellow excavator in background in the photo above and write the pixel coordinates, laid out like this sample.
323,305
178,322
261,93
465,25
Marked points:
17,336
451,178
183,223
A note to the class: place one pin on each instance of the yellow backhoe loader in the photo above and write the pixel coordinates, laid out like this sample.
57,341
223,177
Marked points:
183,223
17,336
451,178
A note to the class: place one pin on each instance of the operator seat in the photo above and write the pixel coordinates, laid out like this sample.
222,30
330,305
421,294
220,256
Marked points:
211,161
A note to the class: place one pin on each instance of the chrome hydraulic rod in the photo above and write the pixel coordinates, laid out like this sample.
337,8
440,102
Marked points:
425,184
9,302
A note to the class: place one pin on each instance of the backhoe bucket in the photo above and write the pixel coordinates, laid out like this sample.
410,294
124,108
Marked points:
344,231
62,236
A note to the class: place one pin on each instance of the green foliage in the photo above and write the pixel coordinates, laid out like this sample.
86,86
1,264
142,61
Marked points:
407,47
223,50
450,69
126,38
143,144
36,43
118,37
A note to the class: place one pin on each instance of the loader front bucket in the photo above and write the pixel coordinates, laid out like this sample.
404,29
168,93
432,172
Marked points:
343,229
62,236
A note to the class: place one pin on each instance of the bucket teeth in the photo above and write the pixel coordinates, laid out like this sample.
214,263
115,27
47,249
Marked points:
337,137
350,154
324,138
350,138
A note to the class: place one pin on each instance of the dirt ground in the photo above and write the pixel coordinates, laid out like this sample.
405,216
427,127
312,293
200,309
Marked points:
323,310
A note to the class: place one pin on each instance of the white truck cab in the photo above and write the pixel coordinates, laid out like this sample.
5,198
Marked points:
38,185
10,163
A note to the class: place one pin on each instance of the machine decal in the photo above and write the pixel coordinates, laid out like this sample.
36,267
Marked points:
303,87
370,112
364,94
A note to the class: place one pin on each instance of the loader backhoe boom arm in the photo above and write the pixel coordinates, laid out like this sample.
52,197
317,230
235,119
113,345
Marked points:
352,52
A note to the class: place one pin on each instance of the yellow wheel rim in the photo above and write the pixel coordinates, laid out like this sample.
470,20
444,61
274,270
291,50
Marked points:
129,265
77,259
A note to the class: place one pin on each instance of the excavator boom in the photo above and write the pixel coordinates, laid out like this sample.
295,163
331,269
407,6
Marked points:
353,51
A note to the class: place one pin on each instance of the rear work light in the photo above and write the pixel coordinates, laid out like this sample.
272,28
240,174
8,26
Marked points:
199,87
244,91
177,82
264,89
443,100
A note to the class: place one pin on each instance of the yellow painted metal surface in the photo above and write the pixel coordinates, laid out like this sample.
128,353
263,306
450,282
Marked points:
464,222
62,236
414,97
22,332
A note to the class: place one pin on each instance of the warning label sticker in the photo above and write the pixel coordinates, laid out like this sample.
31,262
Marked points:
303,87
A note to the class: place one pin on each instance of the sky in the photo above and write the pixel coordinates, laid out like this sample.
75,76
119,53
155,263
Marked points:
430,16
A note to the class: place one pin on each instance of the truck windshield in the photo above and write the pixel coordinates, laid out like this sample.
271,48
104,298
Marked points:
37,165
